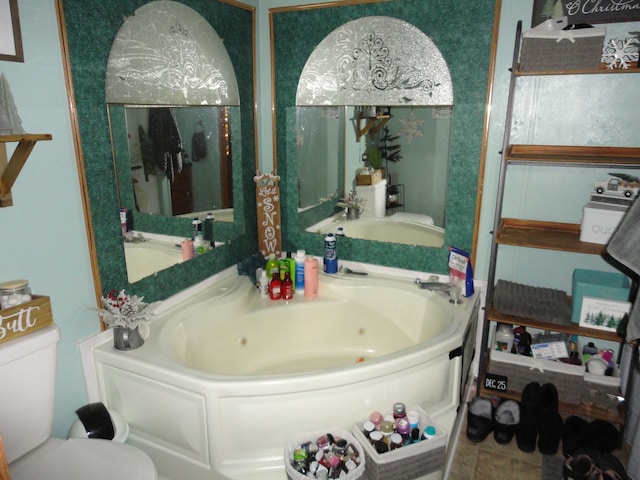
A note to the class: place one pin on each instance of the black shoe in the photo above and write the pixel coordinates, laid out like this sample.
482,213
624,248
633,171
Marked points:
479,419
506,421
580,467
576,435
527,431
604,436
550,431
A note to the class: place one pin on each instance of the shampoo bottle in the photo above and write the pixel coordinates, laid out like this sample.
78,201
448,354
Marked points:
299,266
208,229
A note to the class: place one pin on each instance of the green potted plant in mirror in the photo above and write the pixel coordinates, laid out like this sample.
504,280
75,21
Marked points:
128,316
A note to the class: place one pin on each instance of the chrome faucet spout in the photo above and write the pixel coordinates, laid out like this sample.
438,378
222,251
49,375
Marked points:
452,291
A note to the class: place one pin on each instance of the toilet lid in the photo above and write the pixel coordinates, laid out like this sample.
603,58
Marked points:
83,459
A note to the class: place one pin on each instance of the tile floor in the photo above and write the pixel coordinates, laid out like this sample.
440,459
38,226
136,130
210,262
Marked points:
491,460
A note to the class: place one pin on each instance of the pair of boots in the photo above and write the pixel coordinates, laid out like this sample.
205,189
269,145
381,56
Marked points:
590,464
540,421
597,434
482,418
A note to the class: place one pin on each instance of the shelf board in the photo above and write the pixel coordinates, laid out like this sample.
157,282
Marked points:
628,157
568,328
545,235
590,411
591,71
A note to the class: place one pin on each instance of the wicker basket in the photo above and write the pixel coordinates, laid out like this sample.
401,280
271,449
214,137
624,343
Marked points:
521,370
562,50
408,462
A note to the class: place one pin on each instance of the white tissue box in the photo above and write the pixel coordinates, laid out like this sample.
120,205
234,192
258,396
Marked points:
599,221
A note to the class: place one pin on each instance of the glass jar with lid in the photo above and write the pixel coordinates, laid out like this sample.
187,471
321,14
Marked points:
14,292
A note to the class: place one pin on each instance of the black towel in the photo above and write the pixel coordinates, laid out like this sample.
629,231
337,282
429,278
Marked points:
198,146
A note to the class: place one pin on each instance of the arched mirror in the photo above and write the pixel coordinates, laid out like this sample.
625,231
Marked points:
174,114
440,141
391,132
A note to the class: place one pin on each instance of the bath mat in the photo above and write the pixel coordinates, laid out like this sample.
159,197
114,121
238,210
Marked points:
539,303
551,467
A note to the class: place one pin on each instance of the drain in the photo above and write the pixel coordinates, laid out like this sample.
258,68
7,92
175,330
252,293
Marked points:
243,341
362,331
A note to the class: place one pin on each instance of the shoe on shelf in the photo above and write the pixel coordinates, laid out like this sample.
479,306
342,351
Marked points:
550,425
527,431
581,466
505,421
576,435
479,419
605,437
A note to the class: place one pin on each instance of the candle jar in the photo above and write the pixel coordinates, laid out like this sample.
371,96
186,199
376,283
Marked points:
14,292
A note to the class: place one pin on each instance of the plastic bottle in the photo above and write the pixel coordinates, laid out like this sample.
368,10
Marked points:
263,283
330,254
272,265
283,266
199,245
299,269
196,225
208,229
340,232
292,269
287,287
275,287
429,432
311,277
504,338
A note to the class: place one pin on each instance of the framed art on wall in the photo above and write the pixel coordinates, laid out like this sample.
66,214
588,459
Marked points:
586,11
10,36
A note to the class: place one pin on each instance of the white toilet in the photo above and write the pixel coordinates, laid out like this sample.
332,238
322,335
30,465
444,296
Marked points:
27,386
374,197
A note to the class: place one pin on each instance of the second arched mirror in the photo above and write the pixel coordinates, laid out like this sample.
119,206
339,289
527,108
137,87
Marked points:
377,93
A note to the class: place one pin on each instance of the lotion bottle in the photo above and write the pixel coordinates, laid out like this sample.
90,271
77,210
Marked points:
311,277
275,287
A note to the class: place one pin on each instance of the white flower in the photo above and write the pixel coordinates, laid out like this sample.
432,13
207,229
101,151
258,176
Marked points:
123,310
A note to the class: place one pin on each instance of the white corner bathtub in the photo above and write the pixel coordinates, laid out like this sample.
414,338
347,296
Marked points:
227,378
156,253
395,228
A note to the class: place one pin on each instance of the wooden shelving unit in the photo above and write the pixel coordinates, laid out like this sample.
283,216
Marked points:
10,168
546,235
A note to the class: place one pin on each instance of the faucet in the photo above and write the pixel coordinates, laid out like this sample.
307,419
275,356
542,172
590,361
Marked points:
432,284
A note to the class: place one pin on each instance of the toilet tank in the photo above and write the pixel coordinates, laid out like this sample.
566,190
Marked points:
27,387
374,197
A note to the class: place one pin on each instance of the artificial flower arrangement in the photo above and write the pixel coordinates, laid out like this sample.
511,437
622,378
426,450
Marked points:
124,310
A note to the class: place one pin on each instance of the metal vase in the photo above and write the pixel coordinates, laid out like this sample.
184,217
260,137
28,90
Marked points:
127,338
353,213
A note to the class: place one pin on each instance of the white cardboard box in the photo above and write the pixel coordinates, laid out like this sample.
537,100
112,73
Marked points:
599,220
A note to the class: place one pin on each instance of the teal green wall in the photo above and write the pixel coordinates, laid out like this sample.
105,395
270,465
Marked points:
43,234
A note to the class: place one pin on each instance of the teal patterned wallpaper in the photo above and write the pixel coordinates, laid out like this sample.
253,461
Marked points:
91,26
462,30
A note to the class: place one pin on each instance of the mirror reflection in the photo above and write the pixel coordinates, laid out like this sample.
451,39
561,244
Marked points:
180,160
395,173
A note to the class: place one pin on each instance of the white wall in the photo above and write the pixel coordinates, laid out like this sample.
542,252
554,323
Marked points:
43,234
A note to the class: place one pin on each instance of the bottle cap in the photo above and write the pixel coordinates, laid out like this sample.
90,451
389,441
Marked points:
386,427
399,409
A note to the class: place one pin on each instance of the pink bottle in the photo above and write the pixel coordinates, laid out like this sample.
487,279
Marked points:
311,277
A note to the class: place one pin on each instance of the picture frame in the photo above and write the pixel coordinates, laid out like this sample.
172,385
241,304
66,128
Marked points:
602,313
10,34
586,11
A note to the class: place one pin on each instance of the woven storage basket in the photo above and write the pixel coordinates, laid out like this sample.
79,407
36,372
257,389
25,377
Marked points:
293,474
562,50
521,370
408,462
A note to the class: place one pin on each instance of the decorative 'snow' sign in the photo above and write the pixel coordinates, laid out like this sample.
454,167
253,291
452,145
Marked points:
268,206
586,11
25,318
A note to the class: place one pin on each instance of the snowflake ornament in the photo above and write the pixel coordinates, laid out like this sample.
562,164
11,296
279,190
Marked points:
411,127
619,53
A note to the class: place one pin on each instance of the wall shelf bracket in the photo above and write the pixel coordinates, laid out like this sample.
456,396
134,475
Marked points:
10,168
372,124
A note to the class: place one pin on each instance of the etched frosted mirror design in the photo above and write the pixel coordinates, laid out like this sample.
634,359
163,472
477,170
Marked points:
375,61
167,54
